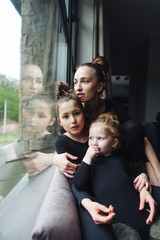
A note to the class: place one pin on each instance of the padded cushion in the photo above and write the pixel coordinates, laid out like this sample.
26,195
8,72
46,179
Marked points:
58,217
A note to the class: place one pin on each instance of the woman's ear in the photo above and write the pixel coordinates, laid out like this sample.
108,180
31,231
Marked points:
100,86
115,143
51,122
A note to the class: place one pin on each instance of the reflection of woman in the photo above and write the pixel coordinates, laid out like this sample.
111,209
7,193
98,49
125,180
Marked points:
31,79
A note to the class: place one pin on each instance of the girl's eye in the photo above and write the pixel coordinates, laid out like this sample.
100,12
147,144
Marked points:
76,113
65,116
85,81
75,82
42,115
100,138
90,138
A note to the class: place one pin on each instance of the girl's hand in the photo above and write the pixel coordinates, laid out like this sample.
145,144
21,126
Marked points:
92,151
142,181
90,154
99,213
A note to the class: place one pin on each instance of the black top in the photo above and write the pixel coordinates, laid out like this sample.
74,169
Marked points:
113,106
65,144
108,179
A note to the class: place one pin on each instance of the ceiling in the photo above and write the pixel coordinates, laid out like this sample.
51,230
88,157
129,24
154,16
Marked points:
130,23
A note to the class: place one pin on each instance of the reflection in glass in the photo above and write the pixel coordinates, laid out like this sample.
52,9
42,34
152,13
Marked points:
43,63
38,115
31,79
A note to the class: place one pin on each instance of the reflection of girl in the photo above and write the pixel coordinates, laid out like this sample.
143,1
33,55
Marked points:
39,116
107,176
74,141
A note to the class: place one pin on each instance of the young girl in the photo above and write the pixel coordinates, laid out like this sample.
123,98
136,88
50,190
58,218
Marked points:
70,113
107,177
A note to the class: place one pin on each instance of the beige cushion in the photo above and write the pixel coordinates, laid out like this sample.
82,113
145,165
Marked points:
58,217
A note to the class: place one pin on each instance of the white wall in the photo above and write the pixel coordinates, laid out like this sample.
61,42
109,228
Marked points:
85,36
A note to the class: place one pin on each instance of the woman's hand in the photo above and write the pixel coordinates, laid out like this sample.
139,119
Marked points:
65,166
142,181
145,197
99,213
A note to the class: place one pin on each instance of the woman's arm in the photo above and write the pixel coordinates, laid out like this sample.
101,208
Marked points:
152,157
151,173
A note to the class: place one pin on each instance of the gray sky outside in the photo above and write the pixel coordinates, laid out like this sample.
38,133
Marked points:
10,31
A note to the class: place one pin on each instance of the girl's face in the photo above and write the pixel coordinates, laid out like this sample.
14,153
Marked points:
40,116
71,117
86,85
100,139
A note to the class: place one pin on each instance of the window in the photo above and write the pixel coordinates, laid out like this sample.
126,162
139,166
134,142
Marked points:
48,43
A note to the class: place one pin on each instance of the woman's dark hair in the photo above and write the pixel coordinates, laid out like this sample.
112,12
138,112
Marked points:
97,68
104,63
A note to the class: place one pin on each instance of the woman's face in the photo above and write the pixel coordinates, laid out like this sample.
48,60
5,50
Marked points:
31,79
86,84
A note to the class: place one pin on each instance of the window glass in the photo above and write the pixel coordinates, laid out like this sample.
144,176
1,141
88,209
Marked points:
44,54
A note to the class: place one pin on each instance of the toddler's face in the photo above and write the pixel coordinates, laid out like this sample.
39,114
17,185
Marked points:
101,139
